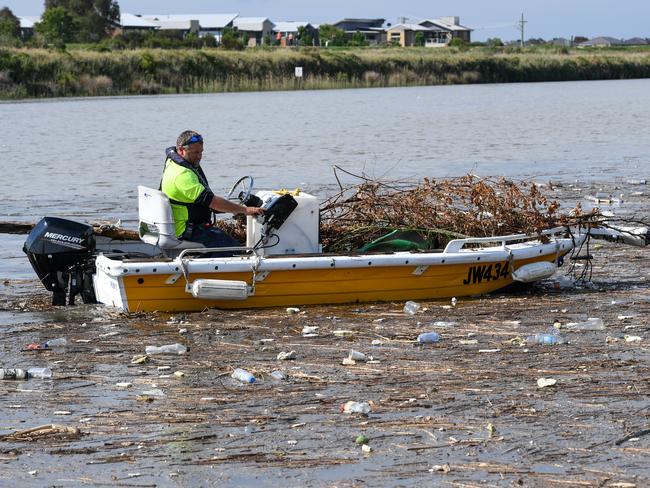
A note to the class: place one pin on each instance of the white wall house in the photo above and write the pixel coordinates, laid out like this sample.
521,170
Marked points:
256,28
201,24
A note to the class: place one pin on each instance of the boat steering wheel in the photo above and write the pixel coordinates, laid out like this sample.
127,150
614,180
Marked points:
245,183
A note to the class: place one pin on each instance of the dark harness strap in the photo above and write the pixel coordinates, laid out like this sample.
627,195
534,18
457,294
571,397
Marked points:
174,156
197,212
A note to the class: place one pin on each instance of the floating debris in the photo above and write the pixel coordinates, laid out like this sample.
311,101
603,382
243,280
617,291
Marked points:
41,432
544,382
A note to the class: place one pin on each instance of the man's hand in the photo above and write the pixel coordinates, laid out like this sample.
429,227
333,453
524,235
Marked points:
254,211
222,205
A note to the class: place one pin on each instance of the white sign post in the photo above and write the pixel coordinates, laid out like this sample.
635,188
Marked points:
298,71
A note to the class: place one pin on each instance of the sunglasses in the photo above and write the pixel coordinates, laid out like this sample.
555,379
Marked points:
193,140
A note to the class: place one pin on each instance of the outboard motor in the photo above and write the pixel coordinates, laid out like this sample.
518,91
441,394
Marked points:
62,254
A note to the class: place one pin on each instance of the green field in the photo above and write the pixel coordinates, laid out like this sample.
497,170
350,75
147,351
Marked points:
33,73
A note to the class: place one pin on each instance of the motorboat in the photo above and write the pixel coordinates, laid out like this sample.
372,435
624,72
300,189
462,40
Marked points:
282,263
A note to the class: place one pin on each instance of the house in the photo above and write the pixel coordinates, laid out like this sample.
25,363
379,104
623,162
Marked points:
635,41
27,26
434,32
405,34
372,29
600,42
135,23
562,42
287,32
200,24
256,28
450,25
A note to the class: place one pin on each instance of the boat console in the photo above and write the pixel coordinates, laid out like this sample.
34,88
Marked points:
290,224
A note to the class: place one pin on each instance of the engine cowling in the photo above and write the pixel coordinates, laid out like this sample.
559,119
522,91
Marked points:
62,254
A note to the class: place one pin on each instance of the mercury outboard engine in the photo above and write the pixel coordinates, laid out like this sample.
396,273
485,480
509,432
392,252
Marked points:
62,254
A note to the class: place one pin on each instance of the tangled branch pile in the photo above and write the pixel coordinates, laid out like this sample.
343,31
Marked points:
439,210
433,212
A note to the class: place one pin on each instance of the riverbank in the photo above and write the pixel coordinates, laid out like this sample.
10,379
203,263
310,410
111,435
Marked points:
37,73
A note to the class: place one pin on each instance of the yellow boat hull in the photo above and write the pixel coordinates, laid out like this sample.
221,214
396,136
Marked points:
156,292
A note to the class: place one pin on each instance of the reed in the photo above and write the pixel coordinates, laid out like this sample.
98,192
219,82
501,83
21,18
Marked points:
45,73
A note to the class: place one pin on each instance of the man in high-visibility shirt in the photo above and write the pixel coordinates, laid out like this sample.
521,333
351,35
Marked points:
191,199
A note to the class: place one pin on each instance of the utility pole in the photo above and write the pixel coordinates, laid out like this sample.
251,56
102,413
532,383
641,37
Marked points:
402,20
521,24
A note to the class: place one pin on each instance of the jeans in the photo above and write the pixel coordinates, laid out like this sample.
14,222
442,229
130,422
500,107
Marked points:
212,237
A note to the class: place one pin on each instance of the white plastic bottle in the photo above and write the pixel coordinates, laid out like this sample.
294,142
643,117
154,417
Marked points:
411,307
59,342
39,373
593,323
243,376
166,349
278,375
356,407
548,339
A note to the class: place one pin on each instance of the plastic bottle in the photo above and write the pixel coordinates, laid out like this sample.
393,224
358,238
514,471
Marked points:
589,324
411,308
166,349
442,323
278,375
428,338
357,356
356,407
39,373
243,376
548,339
12,374
61,341
563,282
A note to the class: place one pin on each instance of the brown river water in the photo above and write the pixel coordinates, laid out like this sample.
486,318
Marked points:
464,412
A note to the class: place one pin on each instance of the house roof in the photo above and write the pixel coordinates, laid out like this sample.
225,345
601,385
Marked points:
635,41
290,26
28,22
446,25
206,21
601,41
405,27
250,23
362,21
130,20
362,25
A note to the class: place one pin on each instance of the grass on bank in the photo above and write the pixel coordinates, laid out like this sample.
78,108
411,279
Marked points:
79,71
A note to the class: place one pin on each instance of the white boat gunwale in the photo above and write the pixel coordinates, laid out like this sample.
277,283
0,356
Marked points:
237,264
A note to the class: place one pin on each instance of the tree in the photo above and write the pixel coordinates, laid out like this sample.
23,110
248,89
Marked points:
97,18
358,39
494,42
229,40
9,24
419,38
58,25
459,43
209,40
304,36
332,36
